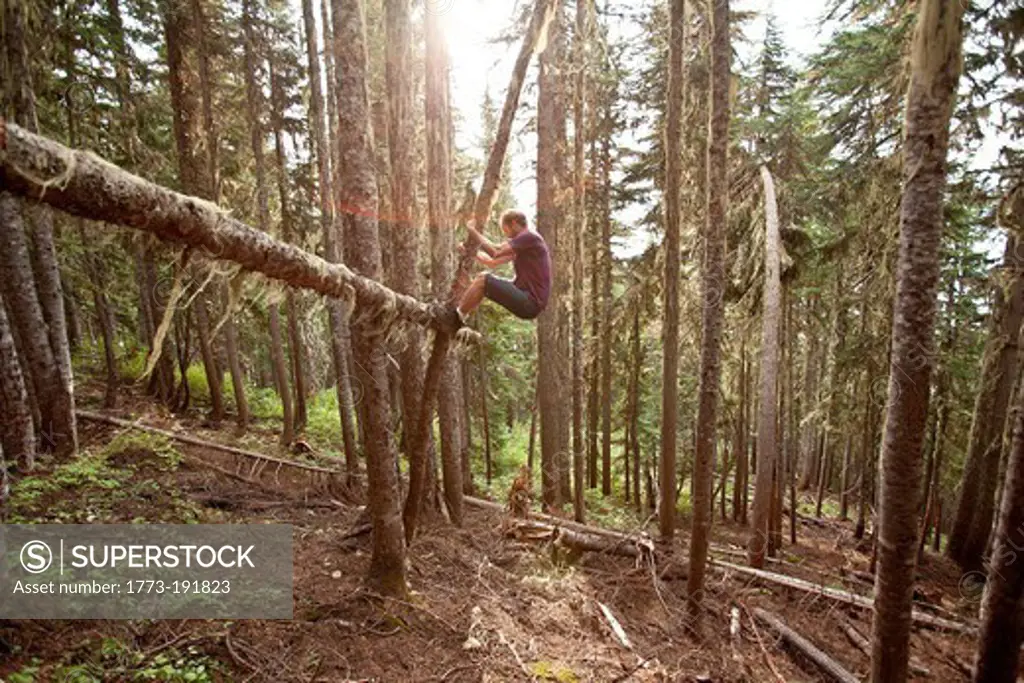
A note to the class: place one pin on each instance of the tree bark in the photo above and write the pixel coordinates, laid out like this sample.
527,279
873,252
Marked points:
334,243
17,433
551,349
296,349
767,446
975,506
999,642
42,286
712,291
673,217
185,62
579,230
935,68
438,126
358,195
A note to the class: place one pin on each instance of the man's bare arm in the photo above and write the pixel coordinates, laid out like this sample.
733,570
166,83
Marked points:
498,259
486,245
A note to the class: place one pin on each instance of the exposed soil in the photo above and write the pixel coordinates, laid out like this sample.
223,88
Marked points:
483,608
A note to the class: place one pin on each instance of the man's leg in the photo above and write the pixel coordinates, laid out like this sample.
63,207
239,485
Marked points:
511,298
473,295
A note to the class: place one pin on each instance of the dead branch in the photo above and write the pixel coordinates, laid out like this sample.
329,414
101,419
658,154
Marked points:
861,643
841,596
184,438
806,648
82,184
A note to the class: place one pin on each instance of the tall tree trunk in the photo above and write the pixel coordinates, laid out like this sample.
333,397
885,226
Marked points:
999,641
337,309
974,512
712,285
637,361
596,342
296,347
767,419
809,401
740,446
36,298
578,255
405,242
673,217
17,433
358,193
552,347
836,335
454,452
606,315
935,68
485,415
254,102
185,61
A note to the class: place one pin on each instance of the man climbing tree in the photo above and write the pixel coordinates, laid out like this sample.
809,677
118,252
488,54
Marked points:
527,295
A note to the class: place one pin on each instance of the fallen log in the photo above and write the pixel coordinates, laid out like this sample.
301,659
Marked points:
532,530
861,643
82,184
826,664
842,596
555,521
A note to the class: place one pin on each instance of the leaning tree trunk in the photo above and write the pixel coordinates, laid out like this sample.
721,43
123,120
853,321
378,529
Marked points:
712,292
767,446
358,192
935,69
673,216
975,507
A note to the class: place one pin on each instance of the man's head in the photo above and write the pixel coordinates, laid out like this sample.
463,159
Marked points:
513,222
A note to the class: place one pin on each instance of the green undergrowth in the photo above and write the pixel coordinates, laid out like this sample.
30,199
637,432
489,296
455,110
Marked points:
119,482
109,659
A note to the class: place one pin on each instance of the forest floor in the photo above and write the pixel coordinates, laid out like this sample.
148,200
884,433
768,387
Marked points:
484,607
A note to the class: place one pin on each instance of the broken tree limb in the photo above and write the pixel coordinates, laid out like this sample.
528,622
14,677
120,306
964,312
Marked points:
841,596
861,643
184,438
826,664
533,41
82,184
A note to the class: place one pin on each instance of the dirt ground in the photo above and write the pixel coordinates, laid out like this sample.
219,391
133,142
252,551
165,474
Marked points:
483,607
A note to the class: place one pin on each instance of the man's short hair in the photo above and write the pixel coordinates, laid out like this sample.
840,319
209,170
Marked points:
514,216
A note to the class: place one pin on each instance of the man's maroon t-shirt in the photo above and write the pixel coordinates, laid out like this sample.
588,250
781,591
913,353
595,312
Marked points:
532,266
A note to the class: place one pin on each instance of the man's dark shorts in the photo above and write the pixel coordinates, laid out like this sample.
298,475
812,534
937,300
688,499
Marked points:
506,294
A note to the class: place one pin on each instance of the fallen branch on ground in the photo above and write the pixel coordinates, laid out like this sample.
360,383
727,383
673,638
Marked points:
861,643
260,460
806,648
842,596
